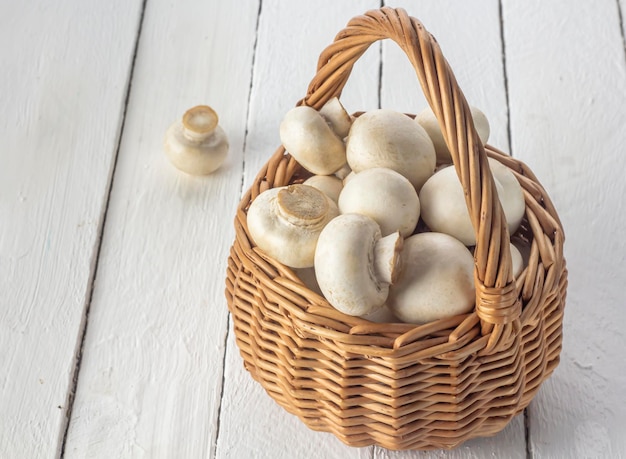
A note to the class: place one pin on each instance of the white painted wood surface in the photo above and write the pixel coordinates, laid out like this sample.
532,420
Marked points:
151,376
567,86
160,375
63,81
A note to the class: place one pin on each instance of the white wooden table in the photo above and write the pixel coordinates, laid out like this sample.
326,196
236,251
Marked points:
115,339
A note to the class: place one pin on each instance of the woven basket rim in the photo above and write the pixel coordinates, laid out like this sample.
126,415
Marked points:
405,386
498,306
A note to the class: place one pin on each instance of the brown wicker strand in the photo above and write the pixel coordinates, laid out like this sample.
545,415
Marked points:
404,386
493,266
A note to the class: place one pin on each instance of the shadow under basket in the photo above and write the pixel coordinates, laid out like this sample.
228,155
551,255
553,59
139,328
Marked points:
405,386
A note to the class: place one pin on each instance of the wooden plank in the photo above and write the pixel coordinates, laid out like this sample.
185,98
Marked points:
291,37
63,83
150,379
567,85
475,55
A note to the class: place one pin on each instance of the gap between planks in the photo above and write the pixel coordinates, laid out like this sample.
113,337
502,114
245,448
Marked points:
96,258
621,25
241,191
506,79
529,452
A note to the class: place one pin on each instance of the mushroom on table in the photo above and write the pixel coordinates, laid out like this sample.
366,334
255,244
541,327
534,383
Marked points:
196,144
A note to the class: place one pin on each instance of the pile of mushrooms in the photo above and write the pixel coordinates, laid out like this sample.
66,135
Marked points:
380,228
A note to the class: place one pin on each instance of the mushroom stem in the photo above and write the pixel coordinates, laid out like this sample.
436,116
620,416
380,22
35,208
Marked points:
387,260
286,222
337,118
302,206
199,123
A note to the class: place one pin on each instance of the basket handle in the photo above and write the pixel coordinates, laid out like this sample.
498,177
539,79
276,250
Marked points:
497,302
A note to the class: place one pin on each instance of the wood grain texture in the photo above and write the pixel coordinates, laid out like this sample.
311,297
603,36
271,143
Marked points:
475,55
63,83
150,379
567,85
291,37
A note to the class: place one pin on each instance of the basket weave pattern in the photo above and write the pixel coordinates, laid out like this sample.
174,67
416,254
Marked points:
403,386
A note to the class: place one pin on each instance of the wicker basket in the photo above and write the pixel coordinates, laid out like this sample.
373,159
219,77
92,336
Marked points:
403,386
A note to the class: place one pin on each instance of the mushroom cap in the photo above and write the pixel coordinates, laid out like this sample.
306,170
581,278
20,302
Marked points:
348,177
337,117
286,222
437,279
444,210
330,185
385,196
196,144
309,139
516,260
343,172
344,265
427,119
382,315
385,138
511,196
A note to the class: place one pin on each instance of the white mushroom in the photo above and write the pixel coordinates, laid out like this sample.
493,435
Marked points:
437,279
427,119
511,196
523,248
385,196
354,265
348,177
516,260
196,144
337,117
286,222
309,139
385,138
330,185
382,315
343,172
444,210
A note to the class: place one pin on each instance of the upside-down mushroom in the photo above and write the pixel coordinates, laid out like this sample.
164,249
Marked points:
196,144
286,222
